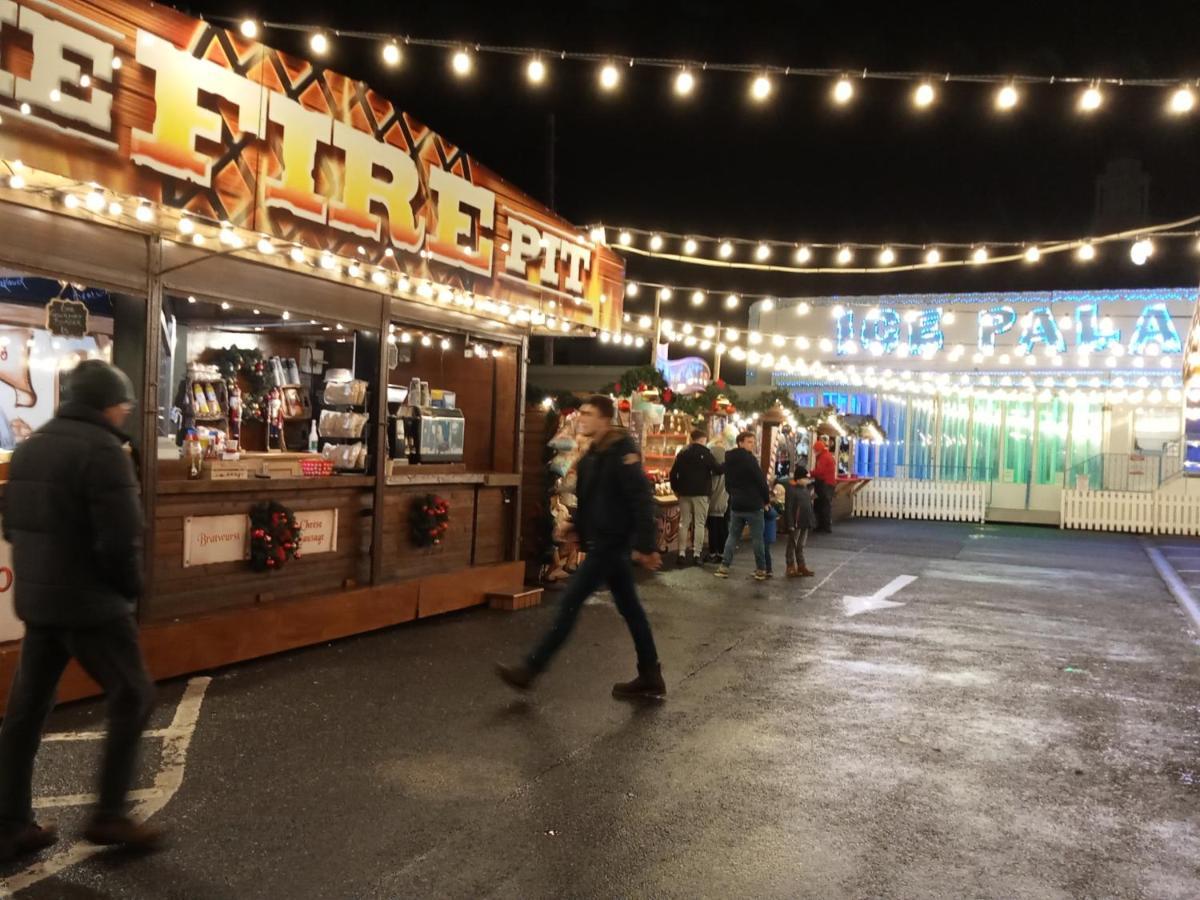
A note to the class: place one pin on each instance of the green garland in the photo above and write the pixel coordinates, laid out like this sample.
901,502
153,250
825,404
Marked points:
632,380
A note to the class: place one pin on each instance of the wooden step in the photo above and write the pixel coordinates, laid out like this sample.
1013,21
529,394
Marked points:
513,600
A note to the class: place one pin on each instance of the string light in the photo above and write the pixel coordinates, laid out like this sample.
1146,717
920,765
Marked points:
656,242
391,54
625,238
725,250
536,71
697,298
684,83
933,257
1183,101
1141,251
631,289
802,255
762,252
760,88
887,256
844,256
690,246
843,91
461,63
923,96
1086,252
732,301
249,29
1090,99
1033,254
319,43
665,295
610,77
980,255
1006,98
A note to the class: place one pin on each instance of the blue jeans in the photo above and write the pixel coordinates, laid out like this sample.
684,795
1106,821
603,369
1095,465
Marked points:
737,521
600,566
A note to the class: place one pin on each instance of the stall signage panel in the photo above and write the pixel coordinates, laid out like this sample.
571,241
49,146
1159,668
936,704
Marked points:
287,148
67,318
215,539
318,529
10,626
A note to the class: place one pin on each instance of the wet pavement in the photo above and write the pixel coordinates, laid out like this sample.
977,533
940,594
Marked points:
1020,720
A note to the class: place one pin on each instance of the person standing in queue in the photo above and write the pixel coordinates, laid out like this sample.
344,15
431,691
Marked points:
74,519
615,522
749,496
691,481
799,516
718,504
825,479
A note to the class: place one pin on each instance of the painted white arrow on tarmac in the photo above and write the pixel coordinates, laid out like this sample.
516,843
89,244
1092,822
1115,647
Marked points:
856,605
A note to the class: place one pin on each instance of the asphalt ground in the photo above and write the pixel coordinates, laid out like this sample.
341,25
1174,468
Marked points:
1024,723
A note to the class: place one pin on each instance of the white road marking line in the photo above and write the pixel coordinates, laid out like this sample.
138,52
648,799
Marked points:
166,784
834,571
86,799
99,735
857,605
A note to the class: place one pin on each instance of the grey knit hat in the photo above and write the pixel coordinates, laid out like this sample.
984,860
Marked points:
97,384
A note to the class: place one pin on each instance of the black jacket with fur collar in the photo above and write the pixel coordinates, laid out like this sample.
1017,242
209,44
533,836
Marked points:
616,508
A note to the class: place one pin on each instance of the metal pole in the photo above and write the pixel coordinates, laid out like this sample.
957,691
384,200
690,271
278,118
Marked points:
717,355
657,328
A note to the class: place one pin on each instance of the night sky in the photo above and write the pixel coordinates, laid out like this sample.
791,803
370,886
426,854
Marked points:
801,169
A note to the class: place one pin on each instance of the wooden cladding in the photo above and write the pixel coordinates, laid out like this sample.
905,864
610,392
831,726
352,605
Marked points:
481,521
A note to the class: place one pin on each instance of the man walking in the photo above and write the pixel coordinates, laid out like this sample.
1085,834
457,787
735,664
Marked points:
73,517
749,496
614,518
825,478
691,480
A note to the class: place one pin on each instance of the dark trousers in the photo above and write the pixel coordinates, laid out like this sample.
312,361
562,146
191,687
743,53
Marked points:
600,566
823,506
110,654
718,533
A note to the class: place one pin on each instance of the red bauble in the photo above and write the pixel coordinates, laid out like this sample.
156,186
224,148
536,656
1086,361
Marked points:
642,386
731,409
625,406
721,383
617,388
270,563
259,533
668,395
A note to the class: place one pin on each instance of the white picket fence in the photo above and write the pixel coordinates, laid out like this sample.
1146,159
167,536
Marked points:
1129,511
910,498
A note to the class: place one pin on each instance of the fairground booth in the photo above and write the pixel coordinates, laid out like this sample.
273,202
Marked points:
1049,407
323,305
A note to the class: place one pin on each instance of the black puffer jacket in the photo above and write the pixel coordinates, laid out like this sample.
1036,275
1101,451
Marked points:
615,510
692,471
745,481
74,519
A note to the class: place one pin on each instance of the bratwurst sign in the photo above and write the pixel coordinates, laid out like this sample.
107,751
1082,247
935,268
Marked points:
148,102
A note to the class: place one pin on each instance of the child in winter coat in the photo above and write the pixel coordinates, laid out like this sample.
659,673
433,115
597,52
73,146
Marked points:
800,517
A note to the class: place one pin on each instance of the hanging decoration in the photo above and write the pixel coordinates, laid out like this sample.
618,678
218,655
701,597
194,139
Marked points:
274,536
246,369
762,80
429,520
805,257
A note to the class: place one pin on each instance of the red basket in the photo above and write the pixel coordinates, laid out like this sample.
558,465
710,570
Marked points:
316,468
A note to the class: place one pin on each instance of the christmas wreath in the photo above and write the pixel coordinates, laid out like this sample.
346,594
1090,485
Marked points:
274,536
250,369
429,520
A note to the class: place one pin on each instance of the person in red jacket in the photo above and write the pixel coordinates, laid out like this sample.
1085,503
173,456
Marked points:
825,476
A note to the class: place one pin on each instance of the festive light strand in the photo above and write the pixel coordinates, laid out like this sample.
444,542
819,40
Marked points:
761,86
689,247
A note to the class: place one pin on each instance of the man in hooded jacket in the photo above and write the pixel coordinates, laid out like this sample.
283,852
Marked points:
73,516
825,479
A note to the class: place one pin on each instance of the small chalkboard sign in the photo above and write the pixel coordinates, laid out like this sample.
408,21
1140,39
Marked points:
66,318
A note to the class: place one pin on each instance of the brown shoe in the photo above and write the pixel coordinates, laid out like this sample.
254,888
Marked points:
519,676
793,572
109,831
649,684
28,839
806,572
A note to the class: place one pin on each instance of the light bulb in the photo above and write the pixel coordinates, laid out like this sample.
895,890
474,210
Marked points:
725,250
767,304
656,242
1183,101
664,294
116,63
923,95
114,208
85,80
319,43
980,255
1006,98
887,256
803,309
55,95
732,301
933,257
186,225
1086,252
1141,251
948,318
843,91
689,246
1033,254
844,256
249,29
597,235
16,181
26,109
391,53
802,255
625,238
461,63
1090,99
684,83
144,213
536,71
631,289
762,252
610,77
297,255
760,88
697,298
645,322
